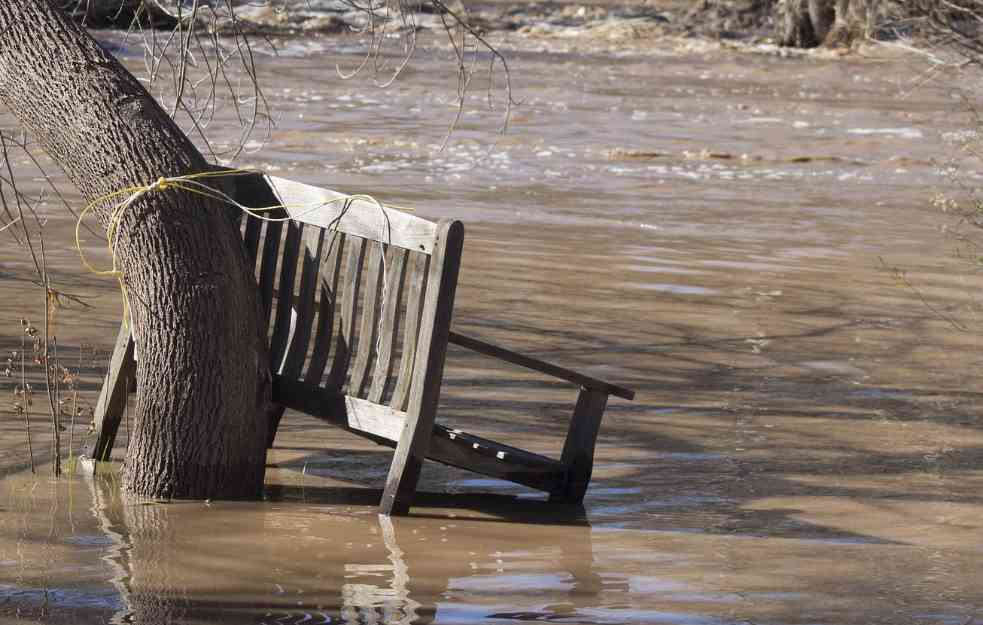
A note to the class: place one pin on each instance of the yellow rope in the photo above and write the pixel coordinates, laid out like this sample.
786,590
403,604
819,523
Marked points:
191,184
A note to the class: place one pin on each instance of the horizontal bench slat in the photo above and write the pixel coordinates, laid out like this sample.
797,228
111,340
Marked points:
326,208
496,460
351,413
452,447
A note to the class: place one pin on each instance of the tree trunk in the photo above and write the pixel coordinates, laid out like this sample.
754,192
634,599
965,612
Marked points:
822,14
793,24
203,373
853,19
810,23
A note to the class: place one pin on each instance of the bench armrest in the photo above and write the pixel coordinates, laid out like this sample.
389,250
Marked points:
542,366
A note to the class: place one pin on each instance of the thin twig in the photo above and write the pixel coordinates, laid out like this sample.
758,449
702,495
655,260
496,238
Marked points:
56,451
25,393
902,277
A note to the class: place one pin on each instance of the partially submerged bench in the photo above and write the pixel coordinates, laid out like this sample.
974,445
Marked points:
359,300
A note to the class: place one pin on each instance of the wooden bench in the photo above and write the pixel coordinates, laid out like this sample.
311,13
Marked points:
360,300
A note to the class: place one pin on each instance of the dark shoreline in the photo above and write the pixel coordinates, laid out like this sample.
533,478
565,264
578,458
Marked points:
750,21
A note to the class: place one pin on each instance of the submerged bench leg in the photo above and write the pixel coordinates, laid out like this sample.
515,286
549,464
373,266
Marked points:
404,472
578,450
112,397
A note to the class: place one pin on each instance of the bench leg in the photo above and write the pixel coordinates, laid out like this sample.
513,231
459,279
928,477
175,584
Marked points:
112,397
407,463
578,450
414,440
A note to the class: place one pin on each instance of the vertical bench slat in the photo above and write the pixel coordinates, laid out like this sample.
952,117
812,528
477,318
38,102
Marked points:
303,322
414,442
416,273
349,302
285,310
267,272
328,289
389,325
255,192
369,326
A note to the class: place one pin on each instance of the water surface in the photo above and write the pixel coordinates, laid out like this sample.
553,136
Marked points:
714,230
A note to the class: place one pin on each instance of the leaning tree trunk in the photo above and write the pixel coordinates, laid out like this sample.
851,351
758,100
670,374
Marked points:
202,372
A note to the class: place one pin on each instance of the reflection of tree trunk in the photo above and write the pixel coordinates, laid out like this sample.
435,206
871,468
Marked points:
158,592
189,563
203,370
145,558
144,574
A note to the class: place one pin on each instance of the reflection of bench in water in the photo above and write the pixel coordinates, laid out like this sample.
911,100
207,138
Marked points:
359,299
302,571
391,601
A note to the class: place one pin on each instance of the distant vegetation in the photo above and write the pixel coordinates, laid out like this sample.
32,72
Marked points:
812,23
807,23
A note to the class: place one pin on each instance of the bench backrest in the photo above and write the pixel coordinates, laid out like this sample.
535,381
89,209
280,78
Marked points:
359,299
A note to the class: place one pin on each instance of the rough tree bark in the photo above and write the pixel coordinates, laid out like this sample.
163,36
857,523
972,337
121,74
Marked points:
203,378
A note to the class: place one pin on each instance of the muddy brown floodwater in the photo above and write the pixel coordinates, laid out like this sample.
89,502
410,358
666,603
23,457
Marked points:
805,446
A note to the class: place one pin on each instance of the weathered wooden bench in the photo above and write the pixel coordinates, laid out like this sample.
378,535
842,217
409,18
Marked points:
359,300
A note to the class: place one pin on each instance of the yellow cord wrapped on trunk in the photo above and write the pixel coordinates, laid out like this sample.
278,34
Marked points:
191,183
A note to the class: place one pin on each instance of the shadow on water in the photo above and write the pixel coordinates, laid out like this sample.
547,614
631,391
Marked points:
436,505
697,449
